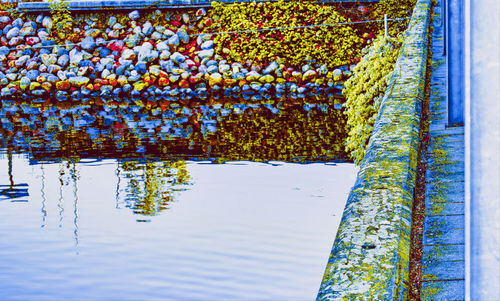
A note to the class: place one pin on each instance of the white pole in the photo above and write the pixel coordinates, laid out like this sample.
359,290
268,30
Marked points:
385,26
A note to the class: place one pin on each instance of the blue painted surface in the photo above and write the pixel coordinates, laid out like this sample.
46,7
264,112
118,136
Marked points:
446,290
444,270
455,51
484,145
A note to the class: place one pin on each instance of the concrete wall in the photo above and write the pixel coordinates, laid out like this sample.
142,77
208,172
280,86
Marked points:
370,255
82,5
483,129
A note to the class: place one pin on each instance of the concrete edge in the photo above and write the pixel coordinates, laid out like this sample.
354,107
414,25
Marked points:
370,256
86,5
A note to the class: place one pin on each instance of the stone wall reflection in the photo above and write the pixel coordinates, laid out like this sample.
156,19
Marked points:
219,131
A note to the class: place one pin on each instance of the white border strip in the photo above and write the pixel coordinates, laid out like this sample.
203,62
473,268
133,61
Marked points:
467,125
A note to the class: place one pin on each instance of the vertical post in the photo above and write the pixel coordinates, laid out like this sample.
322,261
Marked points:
444,22
385,26
456,61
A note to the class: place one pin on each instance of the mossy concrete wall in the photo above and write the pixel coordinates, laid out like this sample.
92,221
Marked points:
370,255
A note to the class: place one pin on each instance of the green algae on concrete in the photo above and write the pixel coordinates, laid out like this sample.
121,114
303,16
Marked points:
370,255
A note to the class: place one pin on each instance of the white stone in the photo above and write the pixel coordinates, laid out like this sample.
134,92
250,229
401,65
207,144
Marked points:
47,22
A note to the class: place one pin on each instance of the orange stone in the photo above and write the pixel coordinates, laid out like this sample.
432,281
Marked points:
63,85
228,82
46,86
242,82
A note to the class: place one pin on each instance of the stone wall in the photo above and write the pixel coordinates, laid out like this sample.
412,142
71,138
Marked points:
370,255
141,54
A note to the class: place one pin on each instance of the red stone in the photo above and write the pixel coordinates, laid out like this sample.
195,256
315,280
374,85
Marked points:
208,22
184,84
31,41
163,81
196,78
115,46
362,9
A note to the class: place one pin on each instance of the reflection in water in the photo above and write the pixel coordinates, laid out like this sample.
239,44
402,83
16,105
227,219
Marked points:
75,177
294,132
151,142
242,224
150,185
60,203
44,200
13,191
104,169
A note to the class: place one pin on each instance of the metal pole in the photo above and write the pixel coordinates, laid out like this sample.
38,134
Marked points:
385,26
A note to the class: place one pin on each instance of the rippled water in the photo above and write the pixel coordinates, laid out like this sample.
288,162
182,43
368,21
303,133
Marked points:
213,202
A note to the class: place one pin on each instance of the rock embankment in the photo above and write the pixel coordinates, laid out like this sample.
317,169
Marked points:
134,56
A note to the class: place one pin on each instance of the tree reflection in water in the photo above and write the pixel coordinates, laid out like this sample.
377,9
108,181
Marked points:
151,185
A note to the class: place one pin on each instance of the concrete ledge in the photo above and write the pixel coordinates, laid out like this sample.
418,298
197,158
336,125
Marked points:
147,4
370,255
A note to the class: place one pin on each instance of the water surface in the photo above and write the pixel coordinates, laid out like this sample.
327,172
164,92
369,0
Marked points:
219,202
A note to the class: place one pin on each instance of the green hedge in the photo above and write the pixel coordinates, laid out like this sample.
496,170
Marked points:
365,90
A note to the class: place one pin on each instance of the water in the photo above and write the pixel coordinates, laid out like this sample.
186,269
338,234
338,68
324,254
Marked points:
214,202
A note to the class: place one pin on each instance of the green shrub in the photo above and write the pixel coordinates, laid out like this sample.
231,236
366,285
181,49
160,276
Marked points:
394,9
364,92
61,18
330,45
7,5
